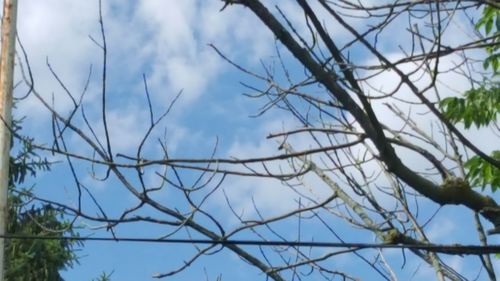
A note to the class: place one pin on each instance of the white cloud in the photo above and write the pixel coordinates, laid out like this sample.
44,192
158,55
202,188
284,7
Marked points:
440,229
126,128
179,32
57,31
268,196
166,40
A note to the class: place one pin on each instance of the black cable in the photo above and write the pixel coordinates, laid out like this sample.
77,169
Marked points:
445,249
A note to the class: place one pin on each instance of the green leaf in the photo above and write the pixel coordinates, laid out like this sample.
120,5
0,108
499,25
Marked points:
490,21
488,26
478,107
481,173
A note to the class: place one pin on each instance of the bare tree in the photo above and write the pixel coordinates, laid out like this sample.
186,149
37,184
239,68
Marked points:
375,137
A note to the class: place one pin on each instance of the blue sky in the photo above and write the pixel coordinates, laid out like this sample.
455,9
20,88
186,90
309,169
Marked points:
167,41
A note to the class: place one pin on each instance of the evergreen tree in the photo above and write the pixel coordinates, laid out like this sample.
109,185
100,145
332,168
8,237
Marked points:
32,259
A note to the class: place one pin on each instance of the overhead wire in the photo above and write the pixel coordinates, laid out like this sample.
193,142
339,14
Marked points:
445,249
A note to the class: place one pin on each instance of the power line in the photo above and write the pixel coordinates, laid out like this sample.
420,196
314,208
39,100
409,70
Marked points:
445,249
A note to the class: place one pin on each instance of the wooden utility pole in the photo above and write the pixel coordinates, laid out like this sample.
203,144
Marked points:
6,86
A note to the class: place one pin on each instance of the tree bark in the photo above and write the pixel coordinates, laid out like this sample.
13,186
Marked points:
6,87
